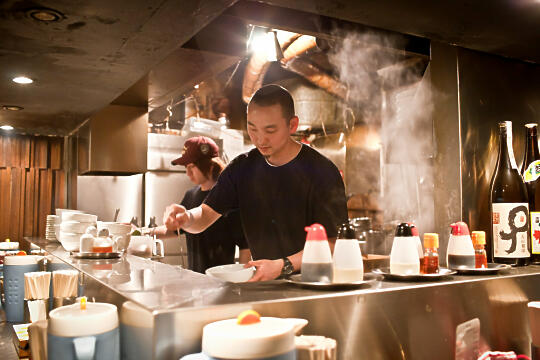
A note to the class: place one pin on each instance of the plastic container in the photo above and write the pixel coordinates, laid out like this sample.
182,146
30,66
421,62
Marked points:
317,265
460,252
404,258
75,332
348,262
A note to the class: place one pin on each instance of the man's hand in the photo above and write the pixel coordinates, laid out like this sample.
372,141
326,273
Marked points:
266,269
175,216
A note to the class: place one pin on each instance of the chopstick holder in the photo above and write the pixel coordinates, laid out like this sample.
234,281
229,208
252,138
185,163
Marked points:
65,284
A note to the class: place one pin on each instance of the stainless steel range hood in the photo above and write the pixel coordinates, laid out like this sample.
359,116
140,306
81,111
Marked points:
114,141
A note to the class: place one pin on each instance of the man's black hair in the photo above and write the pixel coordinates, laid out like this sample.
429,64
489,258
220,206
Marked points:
272,94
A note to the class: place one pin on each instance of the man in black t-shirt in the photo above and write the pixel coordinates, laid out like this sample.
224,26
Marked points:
216,245
280,187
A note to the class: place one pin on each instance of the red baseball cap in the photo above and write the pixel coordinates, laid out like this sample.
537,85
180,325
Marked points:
195,149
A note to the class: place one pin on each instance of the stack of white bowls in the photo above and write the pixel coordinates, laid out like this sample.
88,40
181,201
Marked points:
72,227
58,220
118,231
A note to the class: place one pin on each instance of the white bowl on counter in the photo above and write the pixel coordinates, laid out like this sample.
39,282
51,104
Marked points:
75,226
59,213
114,228
83,218
70,241
119,231
232,272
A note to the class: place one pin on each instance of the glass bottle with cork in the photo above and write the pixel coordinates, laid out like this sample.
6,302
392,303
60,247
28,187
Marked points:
480,256
429,264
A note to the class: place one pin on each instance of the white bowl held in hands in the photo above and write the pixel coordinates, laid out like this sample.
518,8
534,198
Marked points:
231,272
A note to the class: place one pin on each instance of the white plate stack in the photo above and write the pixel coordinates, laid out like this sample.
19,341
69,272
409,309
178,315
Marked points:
50,235
73,226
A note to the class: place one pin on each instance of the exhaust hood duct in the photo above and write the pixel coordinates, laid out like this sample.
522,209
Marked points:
114,141
316,108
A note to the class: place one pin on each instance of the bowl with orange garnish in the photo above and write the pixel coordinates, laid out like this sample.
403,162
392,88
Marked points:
250,336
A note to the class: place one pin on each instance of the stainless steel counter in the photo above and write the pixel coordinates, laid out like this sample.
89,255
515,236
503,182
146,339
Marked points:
388,320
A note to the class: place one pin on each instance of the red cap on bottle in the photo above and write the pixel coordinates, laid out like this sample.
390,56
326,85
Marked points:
459,228
316,232
414,229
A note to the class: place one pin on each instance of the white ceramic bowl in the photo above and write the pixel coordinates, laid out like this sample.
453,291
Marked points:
75,226
70,241
73,216
59,213
231,272
114,228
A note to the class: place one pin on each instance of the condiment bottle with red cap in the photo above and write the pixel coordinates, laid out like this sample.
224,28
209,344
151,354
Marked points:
460,251
317,259
416,236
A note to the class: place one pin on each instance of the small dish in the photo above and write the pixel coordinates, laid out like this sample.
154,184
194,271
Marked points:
96,255
232,272
443,273
297,280
493,268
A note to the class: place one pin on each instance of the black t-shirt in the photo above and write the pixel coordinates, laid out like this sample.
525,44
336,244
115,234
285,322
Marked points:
276,203
214,246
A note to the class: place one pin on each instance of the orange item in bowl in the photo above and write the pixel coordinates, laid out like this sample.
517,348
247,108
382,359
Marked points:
248,317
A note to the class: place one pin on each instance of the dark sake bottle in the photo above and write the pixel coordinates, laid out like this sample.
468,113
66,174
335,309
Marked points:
509,206
530,171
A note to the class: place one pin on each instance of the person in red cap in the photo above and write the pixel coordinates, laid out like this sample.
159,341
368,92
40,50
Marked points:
216,245
280,187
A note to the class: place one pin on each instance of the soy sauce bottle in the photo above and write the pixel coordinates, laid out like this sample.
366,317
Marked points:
530,171
317,265
509,206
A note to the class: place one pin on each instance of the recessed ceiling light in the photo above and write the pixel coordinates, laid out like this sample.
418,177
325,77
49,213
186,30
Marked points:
22,80
6,127
45,15
12,107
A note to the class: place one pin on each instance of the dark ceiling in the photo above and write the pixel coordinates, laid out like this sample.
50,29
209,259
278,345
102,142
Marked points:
142,51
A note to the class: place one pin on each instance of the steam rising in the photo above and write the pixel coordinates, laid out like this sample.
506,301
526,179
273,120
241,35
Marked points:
394,96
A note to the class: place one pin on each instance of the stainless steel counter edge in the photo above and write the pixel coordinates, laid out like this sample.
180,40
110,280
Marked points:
162,287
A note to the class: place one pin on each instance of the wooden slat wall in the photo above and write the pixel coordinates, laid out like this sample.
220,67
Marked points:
32,184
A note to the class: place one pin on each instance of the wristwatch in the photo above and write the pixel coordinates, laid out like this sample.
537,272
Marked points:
287,268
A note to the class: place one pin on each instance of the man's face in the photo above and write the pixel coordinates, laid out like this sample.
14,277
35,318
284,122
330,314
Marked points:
195,174
268,130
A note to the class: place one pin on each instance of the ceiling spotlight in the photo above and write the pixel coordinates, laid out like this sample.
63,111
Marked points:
6,127
45,15
22,80
196,86
12,107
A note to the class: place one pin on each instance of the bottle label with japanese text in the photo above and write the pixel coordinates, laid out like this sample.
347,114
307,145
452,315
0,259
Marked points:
533,172
510,230
535,232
